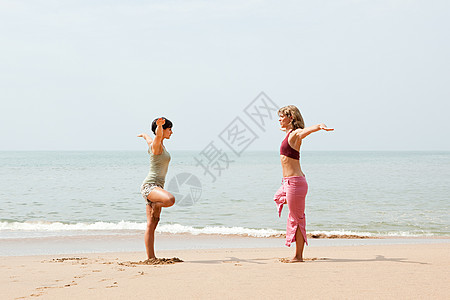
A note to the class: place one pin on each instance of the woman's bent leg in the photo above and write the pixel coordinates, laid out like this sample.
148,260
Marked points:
160,198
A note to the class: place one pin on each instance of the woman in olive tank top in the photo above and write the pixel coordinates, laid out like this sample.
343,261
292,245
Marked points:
152,189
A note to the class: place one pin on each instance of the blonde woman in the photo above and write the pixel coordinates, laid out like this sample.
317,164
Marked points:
294,186
152,189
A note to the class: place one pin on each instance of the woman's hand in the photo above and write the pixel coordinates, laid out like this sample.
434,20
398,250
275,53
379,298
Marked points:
324,127
160,121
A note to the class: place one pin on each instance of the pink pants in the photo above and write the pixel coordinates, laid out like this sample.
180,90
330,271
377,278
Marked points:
293,190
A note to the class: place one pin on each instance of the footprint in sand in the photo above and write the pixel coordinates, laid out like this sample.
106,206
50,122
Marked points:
64,259
71,284
115,284
231,261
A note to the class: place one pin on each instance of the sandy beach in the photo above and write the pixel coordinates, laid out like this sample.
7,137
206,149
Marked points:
399,271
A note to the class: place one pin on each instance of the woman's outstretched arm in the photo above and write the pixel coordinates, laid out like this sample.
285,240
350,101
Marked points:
302,133
147,138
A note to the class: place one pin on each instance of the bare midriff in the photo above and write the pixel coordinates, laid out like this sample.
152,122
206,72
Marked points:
291,167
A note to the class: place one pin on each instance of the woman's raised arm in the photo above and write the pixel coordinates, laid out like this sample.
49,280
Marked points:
157,142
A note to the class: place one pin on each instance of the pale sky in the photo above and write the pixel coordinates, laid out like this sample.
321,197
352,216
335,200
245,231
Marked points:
91,75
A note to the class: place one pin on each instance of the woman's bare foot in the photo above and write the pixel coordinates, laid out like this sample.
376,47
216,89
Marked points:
289,261
297,259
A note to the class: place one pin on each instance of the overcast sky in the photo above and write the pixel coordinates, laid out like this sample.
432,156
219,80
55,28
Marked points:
91,75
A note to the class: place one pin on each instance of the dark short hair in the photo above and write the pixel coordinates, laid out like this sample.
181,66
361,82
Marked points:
166,125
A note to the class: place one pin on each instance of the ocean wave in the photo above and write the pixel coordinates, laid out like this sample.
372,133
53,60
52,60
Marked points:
59,226
130,226
220,230
125,227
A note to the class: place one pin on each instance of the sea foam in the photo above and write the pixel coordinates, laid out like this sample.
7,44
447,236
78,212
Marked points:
40,228
132,226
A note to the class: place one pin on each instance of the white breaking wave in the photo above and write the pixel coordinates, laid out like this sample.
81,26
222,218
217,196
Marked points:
58,226
124,226
221,230
342,233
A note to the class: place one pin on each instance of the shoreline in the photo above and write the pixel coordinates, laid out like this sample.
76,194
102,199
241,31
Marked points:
81,244
394,271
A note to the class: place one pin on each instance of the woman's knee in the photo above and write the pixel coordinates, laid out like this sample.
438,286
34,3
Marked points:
170,199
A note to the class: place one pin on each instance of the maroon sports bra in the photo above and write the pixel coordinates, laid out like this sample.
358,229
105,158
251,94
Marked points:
287,150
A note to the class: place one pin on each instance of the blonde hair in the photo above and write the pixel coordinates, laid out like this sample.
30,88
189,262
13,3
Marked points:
292,111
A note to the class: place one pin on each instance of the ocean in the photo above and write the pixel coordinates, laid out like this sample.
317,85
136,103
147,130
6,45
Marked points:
66,194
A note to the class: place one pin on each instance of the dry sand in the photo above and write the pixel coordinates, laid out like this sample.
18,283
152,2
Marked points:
414,271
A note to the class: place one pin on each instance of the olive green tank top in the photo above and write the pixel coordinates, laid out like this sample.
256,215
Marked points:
158,167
